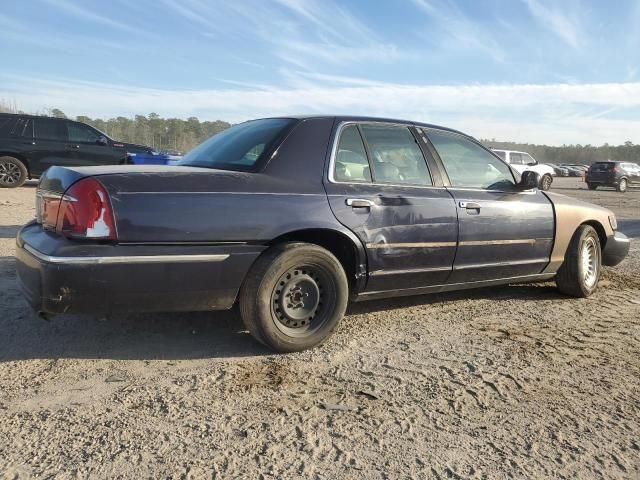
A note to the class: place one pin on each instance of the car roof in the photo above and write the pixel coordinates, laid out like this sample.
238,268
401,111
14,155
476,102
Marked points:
364,119
509,151
25,115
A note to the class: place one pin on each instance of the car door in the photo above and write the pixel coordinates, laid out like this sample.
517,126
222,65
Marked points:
89,147
380,186
49,145
503,232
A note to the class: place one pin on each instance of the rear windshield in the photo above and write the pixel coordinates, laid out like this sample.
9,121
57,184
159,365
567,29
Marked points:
240,147
603,166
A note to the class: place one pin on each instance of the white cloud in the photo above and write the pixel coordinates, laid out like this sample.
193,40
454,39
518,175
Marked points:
552,114
564,25
461,32
91,16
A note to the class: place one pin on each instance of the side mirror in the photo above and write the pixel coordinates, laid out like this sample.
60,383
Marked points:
531,164
529,180
102,141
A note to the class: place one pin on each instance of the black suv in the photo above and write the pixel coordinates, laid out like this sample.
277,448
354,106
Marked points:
618,175
31,144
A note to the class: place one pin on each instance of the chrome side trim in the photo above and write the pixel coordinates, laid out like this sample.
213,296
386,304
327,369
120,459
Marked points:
501,264
528,241
378,273
468,243
412,245
124,259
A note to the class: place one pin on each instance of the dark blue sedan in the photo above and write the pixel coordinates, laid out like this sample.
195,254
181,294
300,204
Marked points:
290,218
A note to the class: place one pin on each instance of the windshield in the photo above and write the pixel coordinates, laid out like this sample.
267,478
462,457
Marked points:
240,147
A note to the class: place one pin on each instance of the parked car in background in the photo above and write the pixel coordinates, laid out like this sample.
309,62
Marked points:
292,217
30,144
619,175
575,170
558,171
522,162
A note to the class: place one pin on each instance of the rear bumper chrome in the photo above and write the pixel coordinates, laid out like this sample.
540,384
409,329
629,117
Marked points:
125,259
616,249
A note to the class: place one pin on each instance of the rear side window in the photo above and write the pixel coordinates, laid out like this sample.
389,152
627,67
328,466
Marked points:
47,129
351,163
240,147
81,133
395,155
469,165
6,126
502,155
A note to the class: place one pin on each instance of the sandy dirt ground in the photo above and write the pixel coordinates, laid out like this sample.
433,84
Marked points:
509,382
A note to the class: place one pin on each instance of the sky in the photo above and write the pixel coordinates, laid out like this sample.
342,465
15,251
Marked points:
536,71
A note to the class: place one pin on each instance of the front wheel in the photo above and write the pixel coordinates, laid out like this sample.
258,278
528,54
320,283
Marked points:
294,296
13,173
622,185
592,186
579,274
545,182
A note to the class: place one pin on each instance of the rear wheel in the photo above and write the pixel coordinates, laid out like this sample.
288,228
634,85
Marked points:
622,185
592,186
579,274
294,296
13,173
546,181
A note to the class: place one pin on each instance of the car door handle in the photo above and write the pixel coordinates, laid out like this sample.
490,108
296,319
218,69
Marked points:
470,205
359,203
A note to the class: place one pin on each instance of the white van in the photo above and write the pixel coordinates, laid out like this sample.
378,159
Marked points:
522,161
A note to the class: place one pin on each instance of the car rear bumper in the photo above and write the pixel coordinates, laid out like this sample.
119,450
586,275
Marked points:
57,275
616,249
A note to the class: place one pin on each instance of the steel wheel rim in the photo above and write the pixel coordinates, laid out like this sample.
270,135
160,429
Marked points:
9,173
302,300
589,258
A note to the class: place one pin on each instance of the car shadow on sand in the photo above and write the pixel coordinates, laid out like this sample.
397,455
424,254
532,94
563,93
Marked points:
173,336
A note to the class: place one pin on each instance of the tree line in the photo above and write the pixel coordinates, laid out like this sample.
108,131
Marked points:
579,154
182,135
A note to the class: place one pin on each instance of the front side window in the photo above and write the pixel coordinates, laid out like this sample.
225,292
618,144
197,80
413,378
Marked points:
469,165
82,134
47,129
351,163
240,147
515,158
395,155
528,159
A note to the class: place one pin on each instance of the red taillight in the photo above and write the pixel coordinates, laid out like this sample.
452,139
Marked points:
84,211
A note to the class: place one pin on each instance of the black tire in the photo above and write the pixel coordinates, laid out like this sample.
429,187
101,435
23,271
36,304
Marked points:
622,185
546,181
592,186
572,278
294,272
13,173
